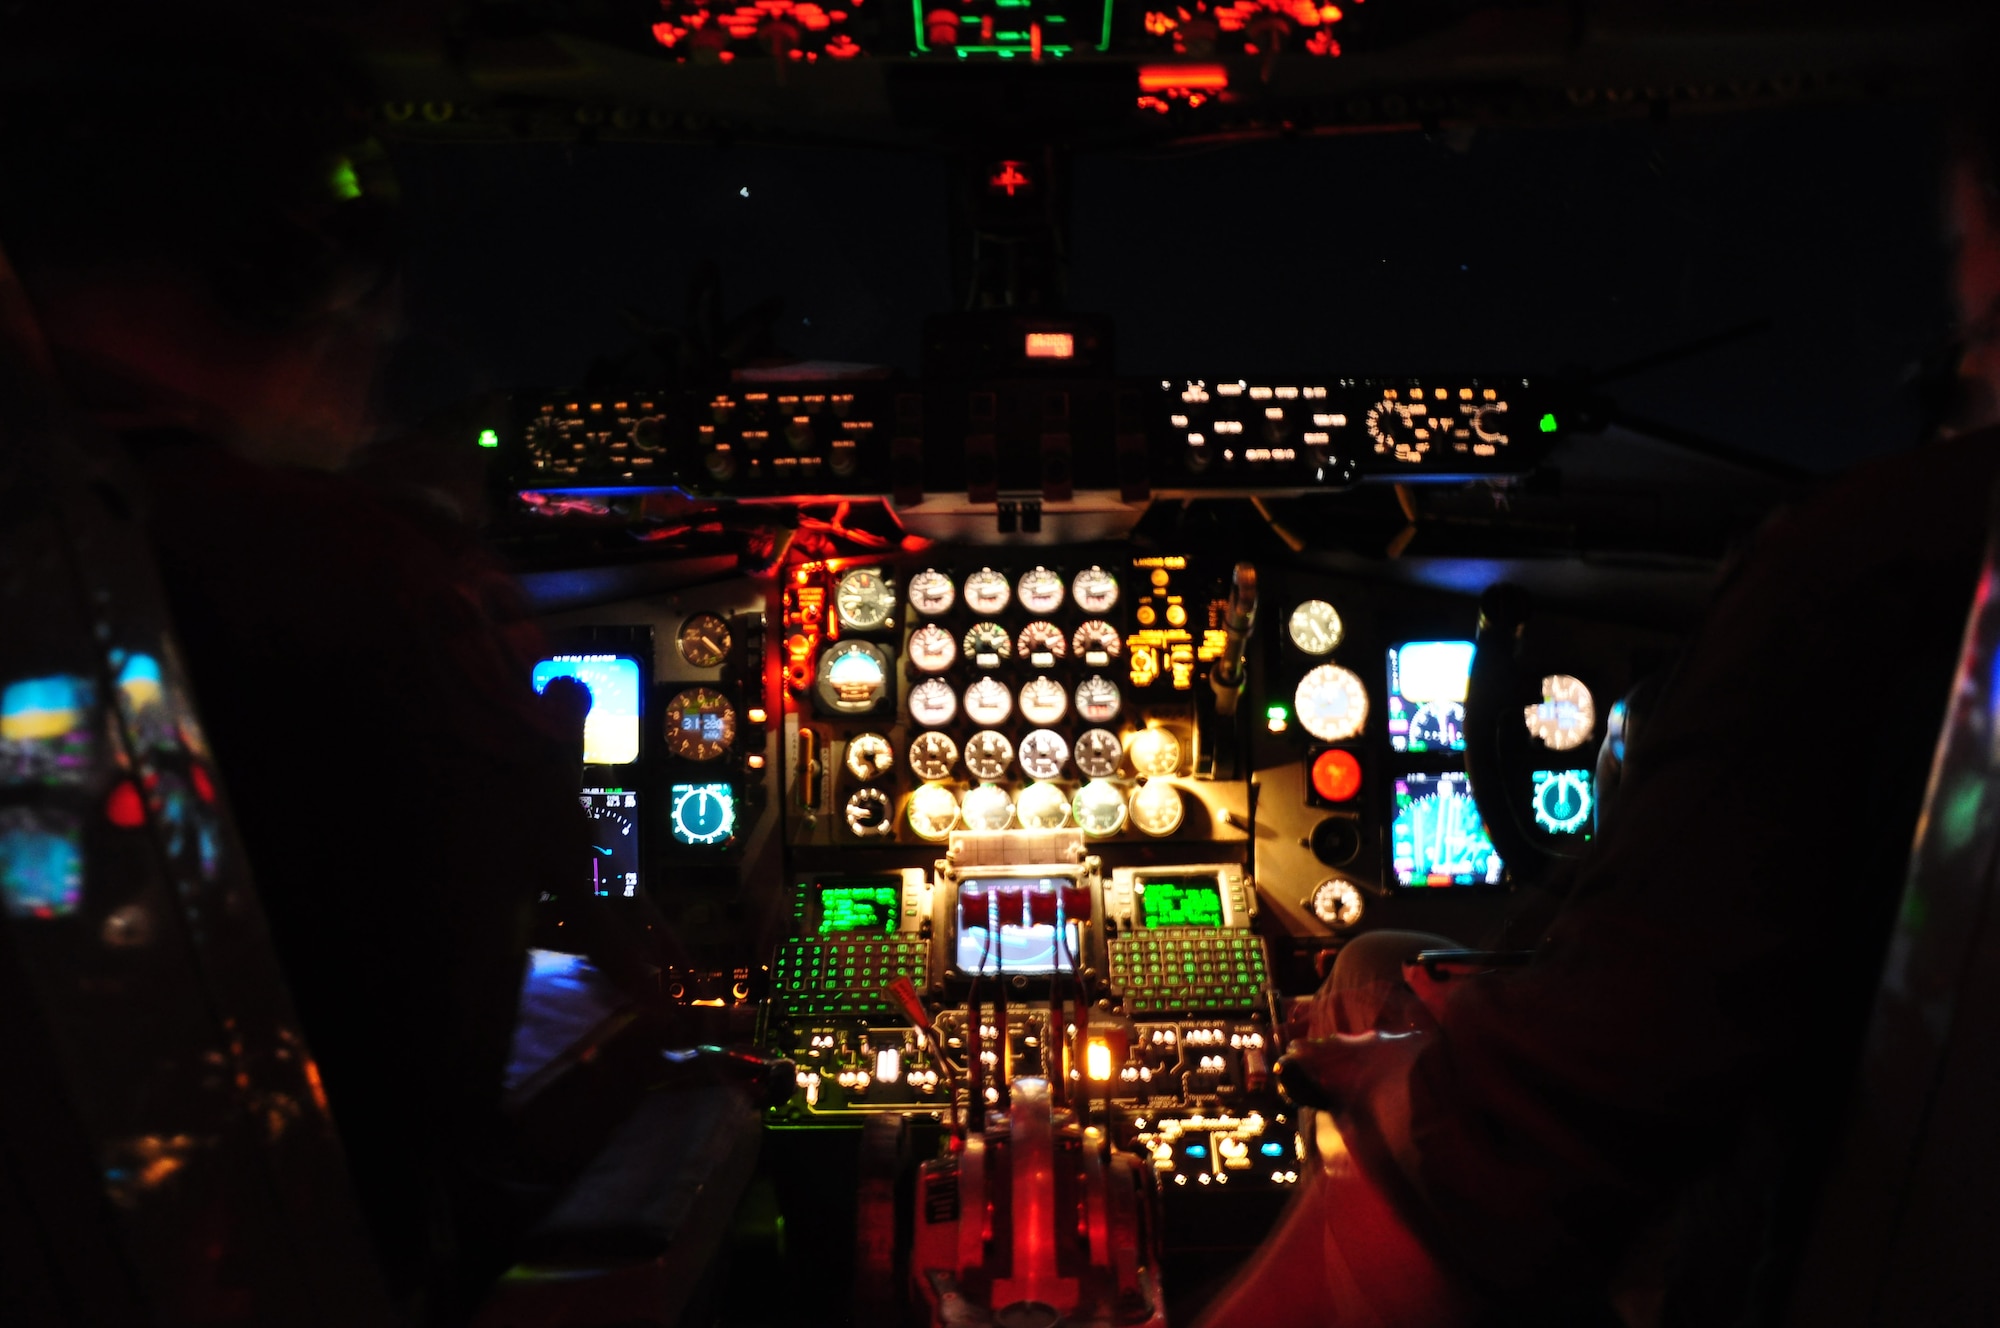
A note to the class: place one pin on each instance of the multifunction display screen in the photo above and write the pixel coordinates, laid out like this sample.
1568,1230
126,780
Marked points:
614,848
863,906
1427,686
1194,901
1437,837
1020,925
611,730
704,814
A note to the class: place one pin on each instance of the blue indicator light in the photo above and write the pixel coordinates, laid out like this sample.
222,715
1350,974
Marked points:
1197,1150
1273,1150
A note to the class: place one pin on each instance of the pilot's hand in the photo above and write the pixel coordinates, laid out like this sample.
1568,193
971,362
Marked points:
1321,1072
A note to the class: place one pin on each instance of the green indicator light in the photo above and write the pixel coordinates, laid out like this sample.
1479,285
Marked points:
1274,712
1548,423
345,183
489,438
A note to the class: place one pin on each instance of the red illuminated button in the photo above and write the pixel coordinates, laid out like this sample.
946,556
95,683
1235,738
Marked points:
1336,775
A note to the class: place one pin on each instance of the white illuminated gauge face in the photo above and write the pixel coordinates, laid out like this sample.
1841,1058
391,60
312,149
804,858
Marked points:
1155,752
987,645
1331,703
700,724
1315,627
1042,643
1099,808
1156,808
932,756
869,756
933,811
1567,715
988,755
931,592
864,599
986,591
987,808
1337,903
1098,753
932,649
987,702
853,676
1097,642
1095,589
932,703
1043,701
1043,754
1041,590
868,813
1042,807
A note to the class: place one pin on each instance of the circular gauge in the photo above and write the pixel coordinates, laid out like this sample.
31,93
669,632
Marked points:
987,808
868,813
1315,627
853,677
704,814
986,591
1043,643
933,811
1145,667
704,640
1331,703
987,702
1043,753
932,703
931,592
1042,806
988,754
863,599
1566,717
1098,753
869,756
1095,589
1156,808
1400,430
1097,642
932,649
1041,590
700,724
1043,700
1438,726
1336,774
932,756
988,645
1336,903
1099,808
1562,801
1097,700
1155,752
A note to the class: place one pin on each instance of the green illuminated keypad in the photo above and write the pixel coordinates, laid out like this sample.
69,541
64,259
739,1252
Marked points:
1171,970
835,976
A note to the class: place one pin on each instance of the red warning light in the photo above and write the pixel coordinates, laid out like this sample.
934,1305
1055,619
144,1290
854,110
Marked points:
1172,78
1051,346
1336,775
125,808
1010,177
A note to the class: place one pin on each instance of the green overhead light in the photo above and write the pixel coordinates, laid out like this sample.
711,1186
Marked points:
1548,422
489,438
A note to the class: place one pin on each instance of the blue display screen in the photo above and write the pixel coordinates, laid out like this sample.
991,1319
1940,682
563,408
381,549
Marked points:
705,724
1437,837
1427,686
611,731
1564,801
704,814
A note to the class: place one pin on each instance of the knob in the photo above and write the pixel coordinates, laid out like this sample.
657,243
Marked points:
799,433
721,464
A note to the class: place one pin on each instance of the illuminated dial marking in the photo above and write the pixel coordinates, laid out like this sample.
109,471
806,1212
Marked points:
869,756
1337,903
701,724
1042,806
1099,808
931,592
703,640
1097,700
1315,627
1097,643
986,591
933,811
1567,715
863,599
868,813
1155,752
1043,754
1041,590
987,807
932,649
987,645
1400,429
987,702
1098,753
988,754
1043,700
1156,808
1042,643
1095,590
932,703
1331,703
932,756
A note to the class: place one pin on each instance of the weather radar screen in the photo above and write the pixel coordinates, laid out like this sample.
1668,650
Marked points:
1427,686
1195,902
1437,837
611,730
867,906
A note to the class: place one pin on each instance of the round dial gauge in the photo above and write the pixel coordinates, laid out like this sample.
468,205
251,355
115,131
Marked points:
932,756
988,754
1331,703
869,756
1097,700
1043,753
1099,808
700,724
1337,903
1098,753
1096,590
703,640
988,645
1562,801
868,813
1400,429
1156,807
1041,590
987,702
933,811
932,649
931,592
932,703
1155,752
1044,639
1567,715
986,591
1315,627
1097,642
704,814
1043,700
987,808
1042,806
853,677
863,599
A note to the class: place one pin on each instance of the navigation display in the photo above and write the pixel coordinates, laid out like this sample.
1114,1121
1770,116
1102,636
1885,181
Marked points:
864,906
1427,686
614,836
611,730
1021,918
1437,837
1193,902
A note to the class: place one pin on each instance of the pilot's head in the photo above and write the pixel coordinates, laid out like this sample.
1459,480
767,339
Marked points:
200,222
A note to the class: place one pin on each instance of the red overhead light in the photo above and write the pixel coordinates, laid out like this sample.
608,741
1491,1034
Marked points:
1178,78
1051,346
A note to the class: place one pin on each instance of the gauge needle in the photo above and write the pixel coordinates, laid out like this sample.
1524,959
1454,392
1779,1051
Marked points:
710,644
